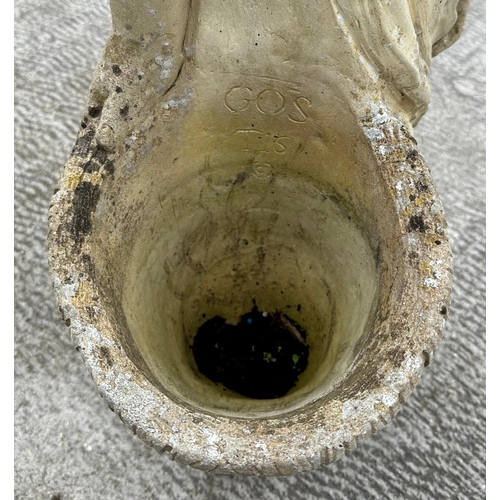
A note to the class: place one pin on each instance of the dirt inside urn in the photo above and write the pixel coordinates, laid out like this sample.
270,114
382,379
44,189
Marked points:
260,357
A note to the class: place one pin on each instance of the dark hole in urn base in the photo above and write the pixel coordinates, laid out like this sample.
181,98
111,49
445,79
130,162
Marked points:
261,357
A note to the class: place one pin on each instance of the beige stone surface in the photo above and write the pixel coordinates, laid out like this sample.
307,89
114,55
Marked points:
169,211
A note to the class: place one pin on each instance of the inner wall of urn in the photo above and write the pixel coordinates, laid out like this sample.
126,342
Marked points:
221,240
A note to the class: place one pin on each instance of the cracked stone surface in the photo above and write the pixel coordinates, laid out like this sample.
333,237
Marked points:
68,445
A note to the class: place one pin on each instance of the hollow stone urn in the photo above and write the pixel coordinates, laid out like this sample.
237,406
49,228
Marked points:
233,152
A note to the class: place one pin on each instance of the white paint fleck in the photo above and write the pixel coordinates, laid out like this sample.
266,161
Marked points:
384,150
431,283
165,73
166,64
389,400
395,382
178,102
212,452
68,291
374,134
412,241
436,272
95,336
397,379
401,201
262,447
130,140
212,439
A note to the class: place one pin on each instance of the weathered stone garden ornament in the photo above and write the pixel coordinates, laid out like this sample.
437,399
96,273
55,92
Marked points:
232,151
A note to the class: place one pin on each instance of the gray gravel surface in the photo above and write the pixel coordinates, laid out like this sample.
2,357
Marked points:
69,446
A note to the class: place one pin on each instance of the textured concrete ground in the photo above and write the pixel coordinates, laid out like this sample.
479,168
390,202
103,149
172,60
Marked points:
69,446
